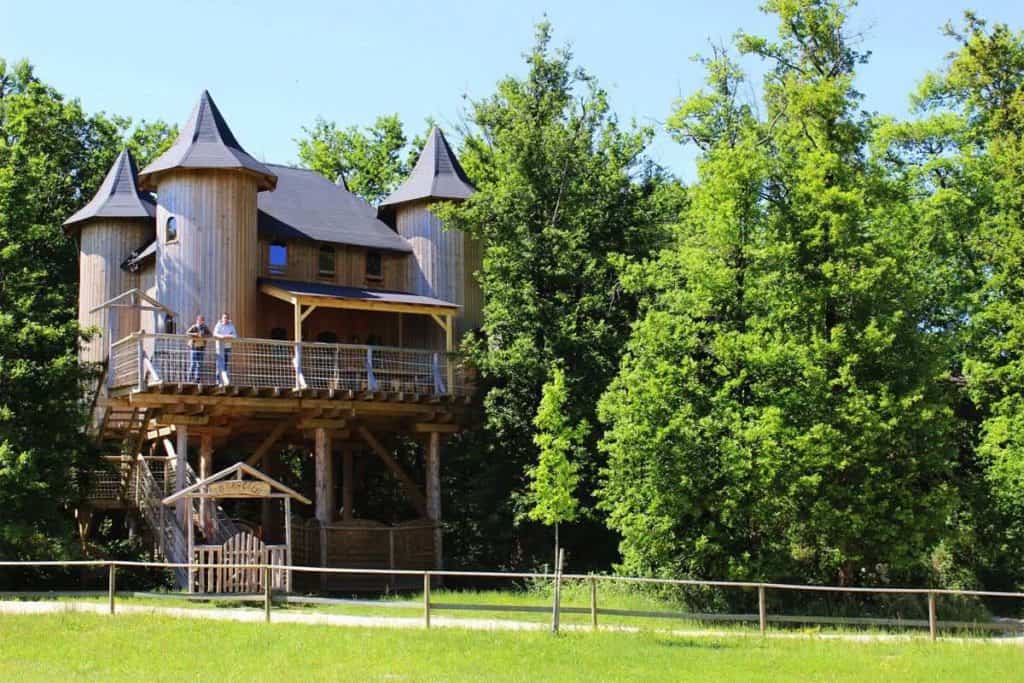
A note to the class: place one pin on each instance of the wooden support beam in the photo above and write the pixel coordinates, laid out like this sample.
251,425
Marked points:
430,427
321,423
268,442
411,489
205,470
434,493
181,466
347,485
172,419
305,313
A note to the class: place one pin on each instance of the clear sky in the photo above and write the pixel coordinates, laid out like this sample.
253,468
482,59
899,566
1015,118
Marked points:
273,66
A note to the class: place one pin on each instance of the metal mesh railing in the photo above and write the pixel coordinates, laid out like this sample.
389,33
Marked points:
270,364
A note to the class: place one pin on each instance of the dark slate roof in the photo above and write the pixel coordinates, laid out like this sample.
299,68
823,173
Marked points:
356,293
308,206
206,142
436,175
118,196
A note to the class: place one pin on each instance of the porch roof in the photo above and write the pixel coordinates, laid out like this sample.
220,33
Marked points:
338,296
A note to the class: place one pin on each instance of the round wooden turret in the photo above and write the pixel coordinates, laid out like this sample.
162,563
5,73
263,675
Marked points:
118,220
444,261
207,258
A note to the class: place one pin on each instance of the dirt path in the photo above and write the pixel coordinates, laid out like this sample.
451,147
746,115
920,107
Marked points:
246,614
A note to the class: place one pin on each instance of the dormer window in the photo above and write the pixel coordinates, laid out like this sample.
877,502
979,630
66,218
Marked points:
325,264
171,230
278,258
374,265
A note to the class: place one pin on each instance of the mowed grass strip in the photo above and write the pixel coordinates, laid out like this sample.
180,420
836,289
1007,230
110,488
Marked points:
91,647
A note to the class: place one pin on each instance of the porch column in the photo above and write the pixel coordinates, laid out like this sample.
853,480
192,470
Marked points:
180,467
205,470
434,492
324,493
347,485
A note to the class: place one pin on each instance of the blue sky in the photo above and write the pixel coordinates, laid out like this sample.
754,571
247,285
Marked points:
274,66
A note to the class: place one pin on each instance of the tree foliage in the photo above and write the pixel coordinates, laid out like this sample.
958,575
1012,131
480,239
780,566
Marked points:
781,412
373,160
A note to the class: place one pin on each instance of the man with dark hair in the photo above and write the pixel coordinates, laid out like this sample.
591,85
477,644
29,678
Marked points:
197,335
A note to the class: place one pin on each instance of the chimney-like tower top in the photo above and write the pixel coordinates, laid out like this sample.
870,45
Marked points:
436,175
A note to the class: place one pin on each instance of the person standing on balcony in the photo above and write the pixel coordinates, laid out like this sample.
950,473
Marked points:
224,331
197,335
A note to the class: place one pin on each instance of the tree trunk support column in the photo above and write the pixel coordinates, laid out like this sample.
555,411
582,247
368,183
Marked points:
205,470
434,493
180,470
324,491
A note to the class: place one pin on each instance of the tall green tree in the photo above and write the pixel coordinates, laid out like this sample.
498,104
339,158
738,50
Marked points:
972,147
564,194
373,160
53,156
781,411
551,494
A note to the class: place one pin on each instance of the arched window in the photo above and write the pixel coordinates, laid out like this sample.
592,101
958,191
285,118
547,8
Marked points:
171,234
278,258
325,266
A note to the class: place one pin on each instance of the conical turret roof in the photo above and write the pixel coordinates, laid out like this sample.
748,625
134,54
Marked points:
206,142
118,196
436,175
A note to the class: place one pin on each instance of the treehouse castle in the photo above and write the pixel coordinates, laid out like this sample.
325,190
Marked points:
348,318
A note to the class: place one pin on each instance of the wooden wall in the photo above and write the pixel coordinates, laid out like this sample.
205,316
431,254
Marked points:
349,266
147,283
444,262
213,265
103,246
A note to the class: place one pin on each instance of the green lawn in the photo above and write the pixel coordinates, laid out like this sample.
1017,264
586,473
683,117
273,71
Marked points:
145,647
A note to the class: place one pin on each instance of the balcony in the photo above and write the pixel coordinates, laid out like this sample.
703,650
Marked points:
141,362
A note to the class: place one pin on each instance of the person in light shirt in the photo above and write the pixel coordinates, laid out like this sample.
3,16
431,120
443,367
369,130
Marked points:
223,332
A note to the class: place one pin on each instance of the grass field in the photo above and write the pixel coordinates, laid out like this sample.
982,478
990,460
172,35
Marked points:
91,647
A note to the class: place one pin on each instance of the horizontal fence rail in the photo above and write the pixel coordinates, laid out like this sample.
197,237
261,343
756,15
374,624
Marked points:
271,579
143,360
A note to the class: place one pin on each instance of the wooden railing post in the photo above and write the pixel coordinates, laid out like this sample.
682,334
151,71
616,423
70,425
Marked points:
762,610
593,602
111,587
140,365
933,619
426,599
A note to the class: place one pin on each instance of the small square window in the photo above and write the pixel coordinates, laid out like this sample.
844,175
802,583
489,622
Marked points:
278,258
374,265
325,267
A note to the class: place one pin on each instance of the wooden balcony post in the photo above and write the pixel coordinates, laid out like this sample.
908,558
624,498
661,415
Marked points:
180,471
205,470
324,492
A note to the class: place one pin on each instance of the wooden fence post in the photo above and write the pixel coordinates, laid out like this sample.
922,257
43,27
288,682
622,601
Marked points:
556,606
426,599
933,620
266,593
112,587
762,610
593,603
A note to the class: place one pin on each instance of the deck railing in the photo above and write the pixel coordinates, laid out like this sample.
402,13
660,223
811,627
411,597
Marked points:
142,360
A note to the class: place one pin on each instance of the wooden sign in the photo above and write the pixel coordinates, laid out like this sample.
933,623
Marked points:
233,488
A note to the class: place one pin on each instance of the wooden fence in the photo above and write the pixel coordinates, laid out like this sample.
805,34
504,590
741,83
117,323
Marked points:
763,618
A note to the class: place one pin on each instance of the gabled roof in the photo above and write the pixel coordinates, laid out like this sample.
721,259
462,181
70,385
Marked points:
307,205
436,175
238,469
206,142
118,196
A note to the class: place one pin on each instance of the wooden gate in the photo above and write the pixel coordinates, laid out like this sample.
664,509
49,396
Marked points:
230,566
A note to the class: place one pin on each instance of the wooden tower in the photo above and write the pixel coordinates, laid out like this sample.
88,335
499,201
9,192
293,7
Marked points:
207,253
445,261
118,220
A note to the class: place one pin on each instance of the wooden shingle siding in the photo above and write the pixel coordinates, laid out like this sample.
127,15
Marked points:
105,243
214,264
349,265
